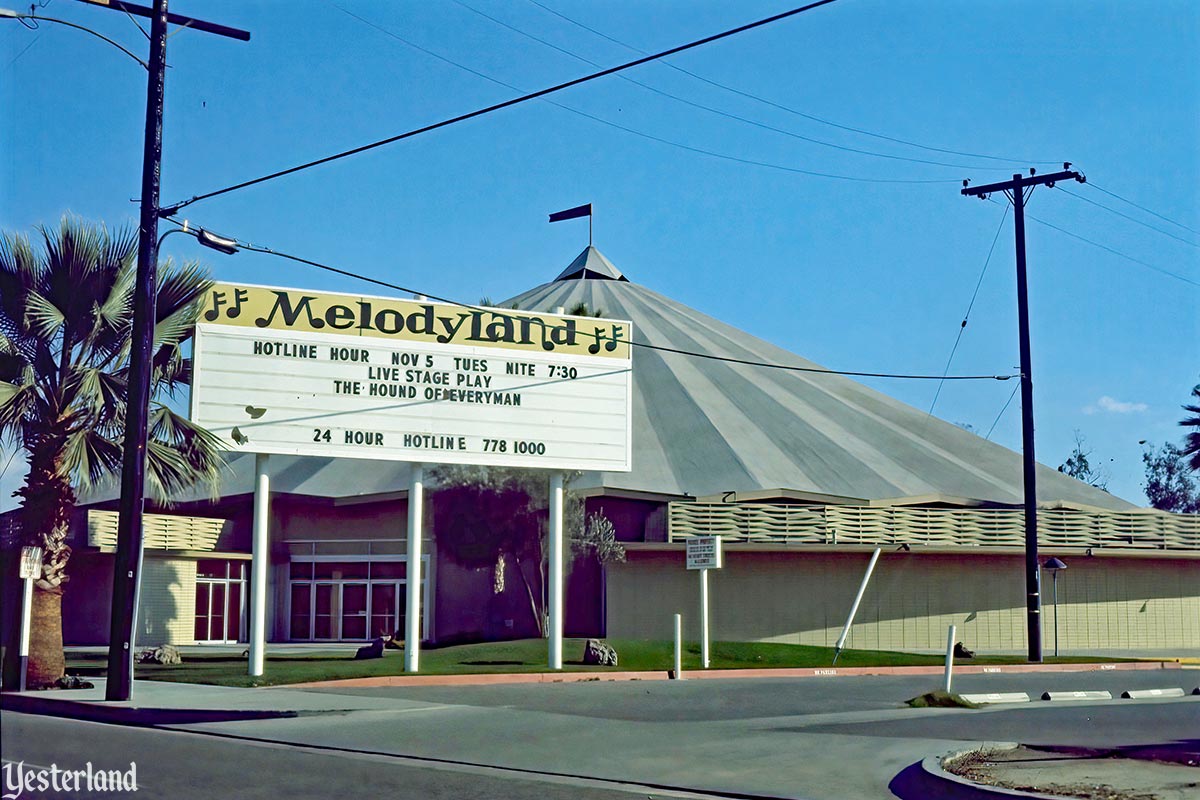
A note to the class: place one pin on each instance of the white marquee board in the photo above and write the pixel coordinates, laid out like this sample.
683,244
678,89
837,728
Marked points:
411,381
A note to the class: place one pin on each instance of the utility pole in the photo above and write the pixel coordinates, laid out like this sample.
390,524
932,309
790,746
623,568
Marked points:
127,566
1016,192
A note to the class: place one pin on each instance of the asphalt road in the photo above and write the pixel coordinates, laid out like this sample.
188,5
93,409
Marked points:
813,738
184,765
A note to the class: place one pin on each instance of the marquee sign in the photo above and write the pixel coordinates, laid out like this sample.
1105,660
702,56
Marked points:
306,373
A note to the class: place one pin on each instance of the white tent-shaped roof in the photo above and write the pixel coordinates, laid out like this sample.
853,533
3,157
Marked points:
703,426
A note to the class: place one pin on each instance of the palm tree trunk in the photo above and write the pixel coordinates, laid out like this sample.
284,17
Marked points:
46,660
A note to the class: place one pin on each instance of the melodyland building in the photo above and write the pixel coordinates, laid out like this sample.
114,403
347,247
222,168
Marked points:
802,474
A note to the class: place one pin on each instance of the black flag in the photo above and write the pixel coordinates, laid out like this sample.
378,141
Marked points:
572,213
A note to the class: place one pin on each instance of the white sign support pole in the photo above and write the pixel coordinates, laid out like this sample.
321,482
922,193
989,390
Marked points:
704,617
412,607
259,555
949,658
26,611
555,599
679,647
854,608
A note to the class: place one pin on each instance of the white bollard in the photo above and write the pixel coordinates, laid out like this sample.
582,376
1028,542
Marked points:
949,658
679,647
704,618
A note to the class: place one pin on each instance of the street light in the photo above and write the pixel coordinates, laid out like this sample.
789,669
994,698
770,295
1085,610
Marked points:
1055,565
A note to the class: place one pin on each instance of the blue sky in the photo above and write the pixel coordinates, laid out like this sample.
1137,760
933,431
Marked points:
853,274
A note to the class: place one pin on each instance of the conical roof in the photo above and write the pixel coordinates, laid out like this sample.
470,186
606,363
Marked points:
704,426
591,265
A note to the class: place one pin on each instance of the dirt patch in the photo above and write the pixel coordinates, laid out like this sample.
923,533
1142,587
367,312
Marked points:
1116,774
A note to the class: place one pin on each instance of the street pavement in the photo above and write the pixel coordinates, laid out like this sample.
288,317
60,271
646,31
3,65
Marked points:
815,738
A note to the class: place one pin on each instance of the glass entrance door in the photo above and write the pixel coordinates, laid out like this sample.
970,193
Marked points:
384,599
219,607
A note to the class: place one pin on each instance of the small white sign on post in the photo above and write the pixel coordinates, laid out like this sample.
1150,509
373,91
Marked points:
31,563
704,553
30,571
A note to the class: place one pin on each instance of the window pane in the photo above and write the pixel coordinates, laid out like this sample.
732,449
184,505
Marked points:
340,570
389,547
301,622
301,570
234,626
201,627
216,626
341,548
388,569
211,568
323,621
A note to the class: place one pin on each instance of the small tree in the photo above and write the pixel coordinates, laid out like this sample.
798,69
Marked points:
1169,487
1080,468
489,516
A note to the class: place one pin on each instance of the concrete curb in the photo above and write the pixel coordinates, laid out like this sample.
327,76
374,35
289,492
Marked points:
123,714
1084,695
716,674
959,787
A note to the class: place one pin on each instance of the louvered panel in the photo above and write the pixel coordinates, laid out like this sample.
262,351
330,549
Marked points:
160,531
764,523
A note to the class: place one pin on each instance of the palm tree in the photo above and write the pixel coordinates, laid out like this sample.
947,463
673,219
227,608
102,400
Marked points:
65,322
1191,442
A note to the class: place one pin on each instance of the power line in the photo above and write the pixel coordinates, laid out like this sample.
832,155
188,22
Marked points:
1001,414
971,305
710,109
789,109
1143,208
691,354
1128,217
1146,264
505,104
642,134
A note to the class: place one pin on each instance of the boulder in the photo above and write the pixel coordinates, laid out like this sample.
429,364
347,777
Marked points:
163,654
372,650
597,653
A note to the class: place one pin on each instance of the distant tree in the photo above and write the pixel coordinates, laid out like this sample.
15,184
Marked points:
1191,441
1080,468
581,309
1169,487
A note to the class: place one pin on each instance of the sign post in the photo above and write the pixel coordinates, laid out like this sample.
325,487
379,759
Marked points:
704,553
31,570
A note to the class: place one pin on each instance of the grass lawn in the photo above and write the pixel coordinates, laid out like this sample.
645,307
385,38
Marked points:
527,655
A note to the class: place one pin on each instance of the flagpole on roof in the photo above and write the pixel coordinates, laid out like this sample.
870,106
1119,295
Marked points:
584,210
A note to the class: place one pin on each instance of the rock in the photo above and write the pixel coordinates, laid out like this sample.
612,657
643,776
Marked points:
73,682
395,641
961,651
163,654
597,653
372,650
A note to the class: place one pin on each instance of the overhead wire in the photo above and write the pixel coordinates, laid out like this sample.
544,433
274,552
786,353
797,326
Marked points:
1106,248
639,133
504,104
788,109
1141,207
192,230
1001,414
962,327
717,111
1127,216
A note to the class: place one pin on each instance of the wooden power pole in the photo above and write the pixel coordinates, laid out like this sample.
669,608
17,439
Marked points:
1017,190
